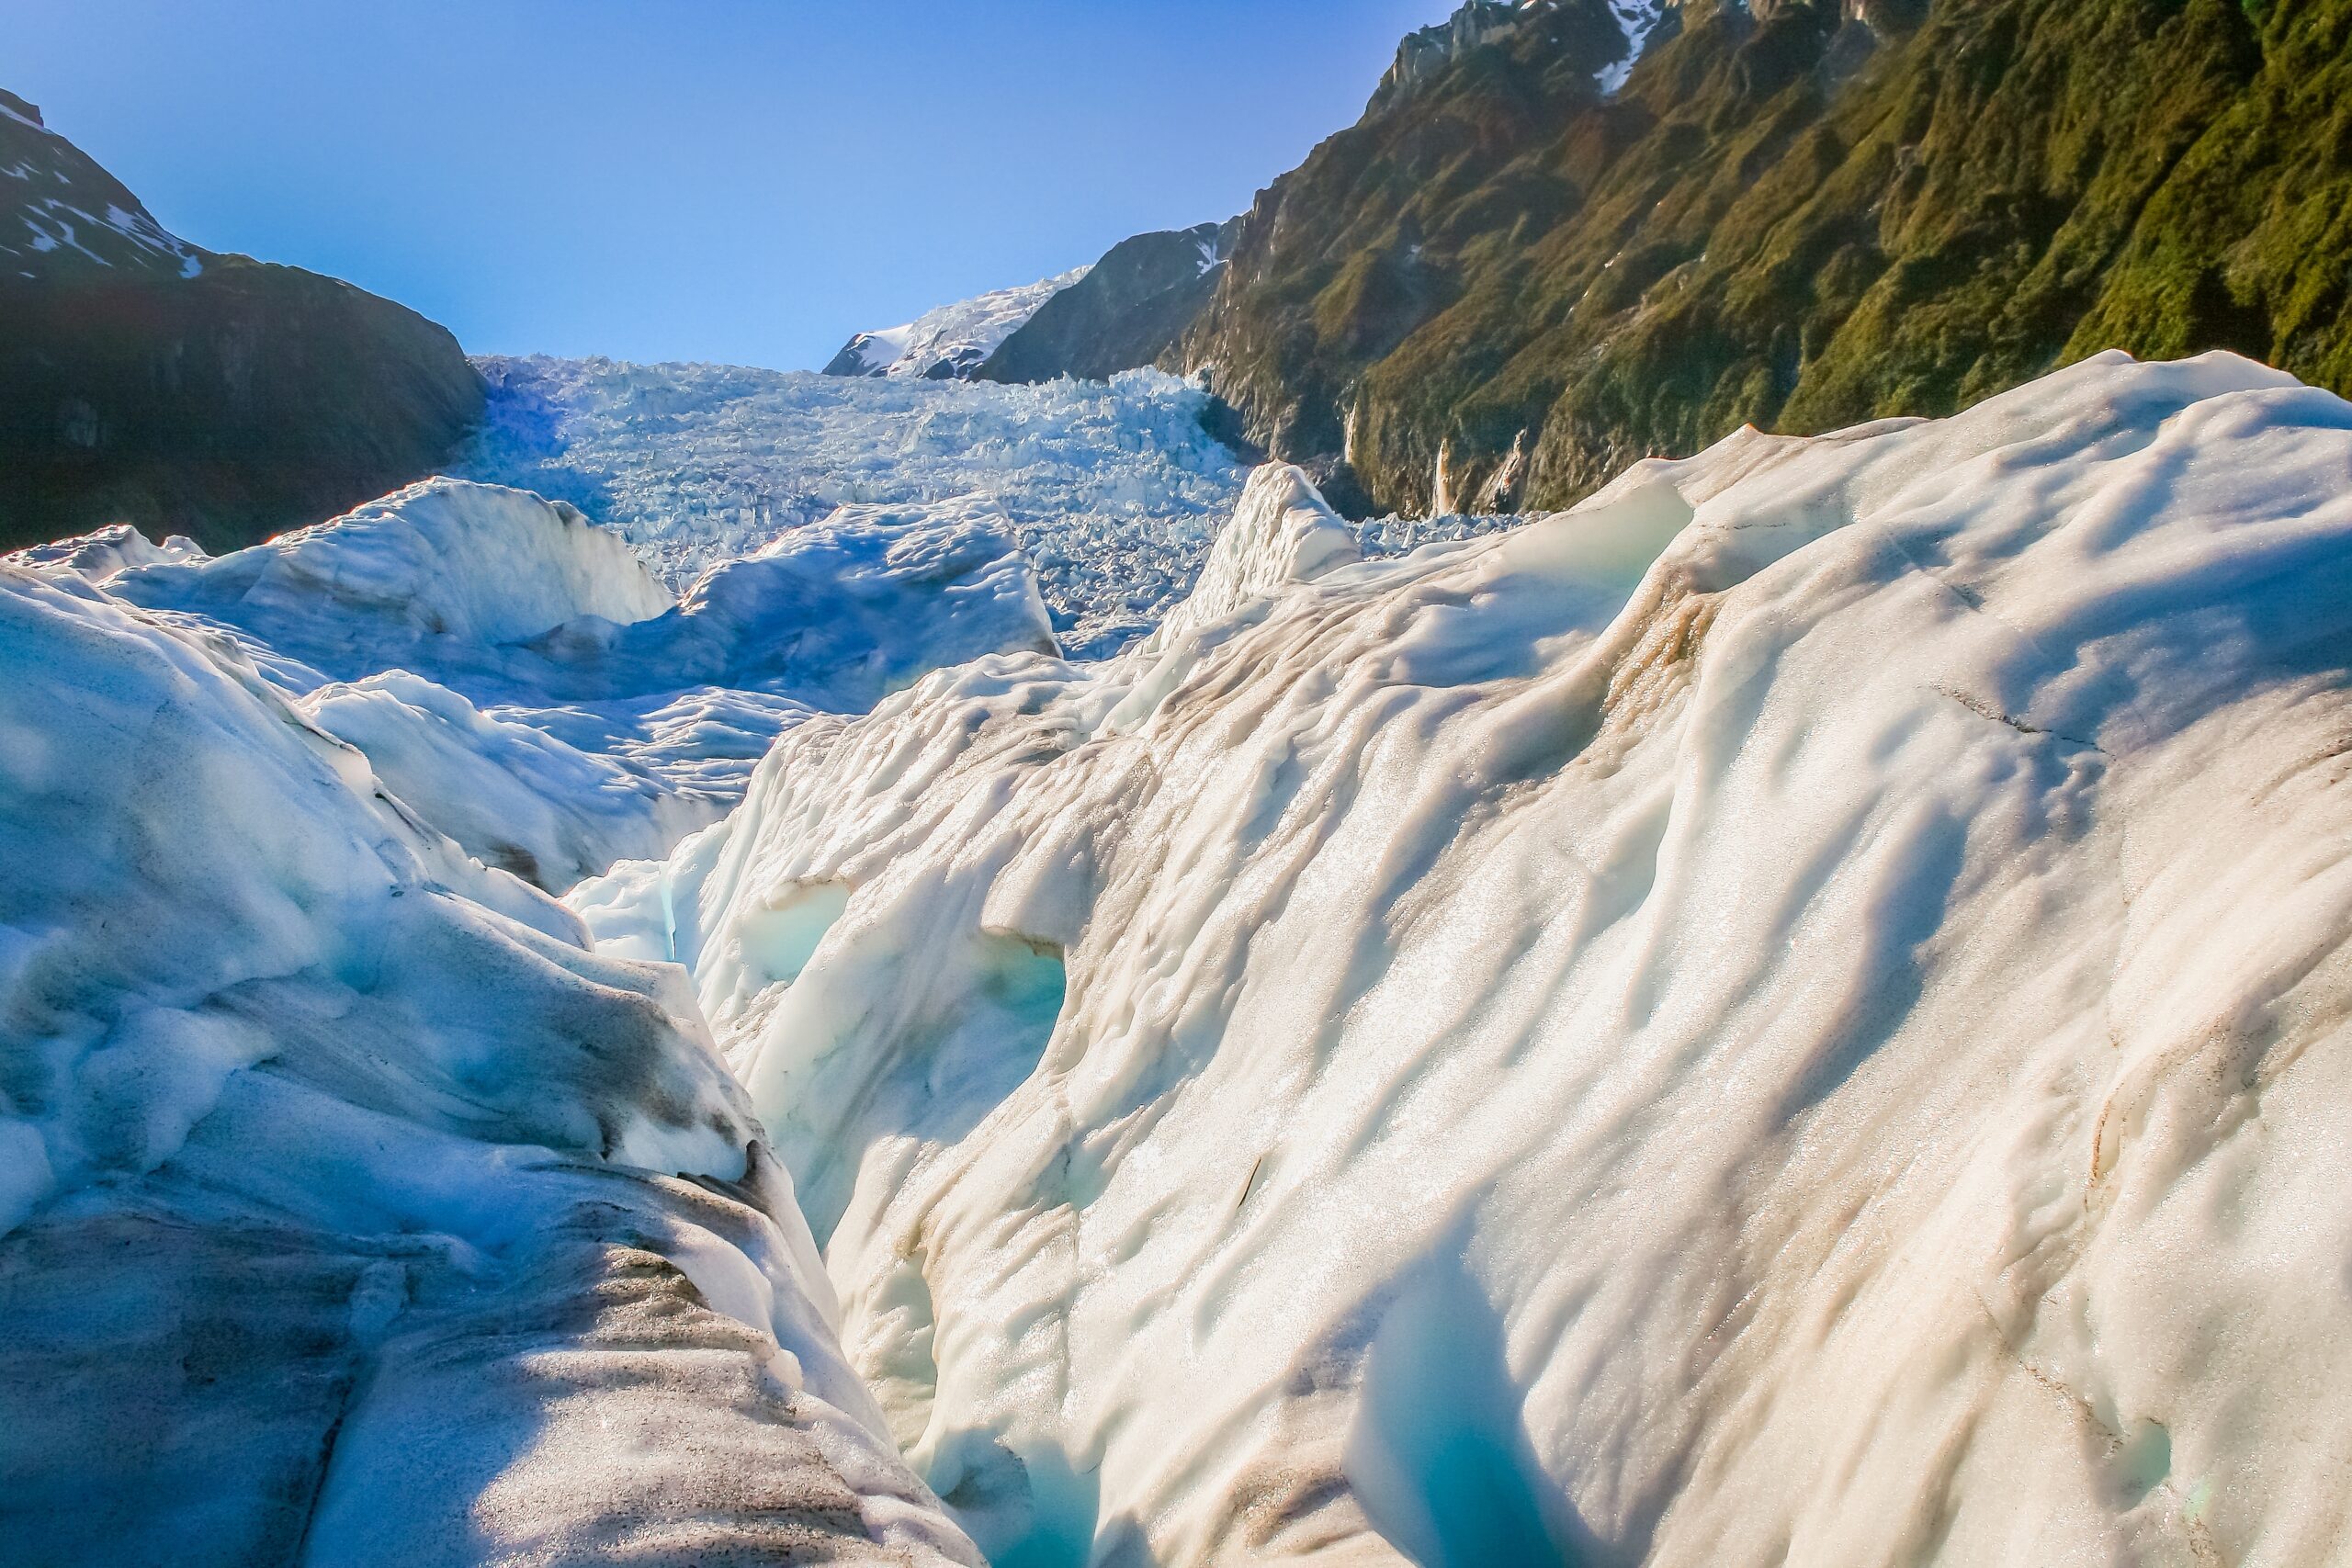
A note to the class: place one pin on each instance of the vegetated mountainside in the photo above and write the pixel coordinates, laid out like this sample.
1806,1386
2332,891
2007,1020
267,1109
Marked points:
145,380
1504,284
1129,310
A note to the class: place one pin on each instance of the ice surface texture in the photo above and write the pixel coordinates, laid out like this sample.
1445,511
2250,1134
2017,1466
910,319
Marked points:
527,685
1793,1013
1112,489
351,1210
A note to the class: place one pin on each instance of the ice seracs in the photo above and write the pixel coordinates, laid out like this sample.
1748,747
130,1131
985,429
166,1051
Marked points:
1112,488
1794,1012
528,687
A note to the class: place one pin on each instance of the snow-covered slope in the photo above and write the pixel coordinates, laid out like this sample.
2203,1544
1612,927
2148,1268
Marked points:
1795,1013
1112,489
61,212
947,344
350,1210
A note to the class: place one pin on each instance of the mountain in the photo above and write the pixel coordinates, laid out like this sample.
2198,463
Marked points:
1128,310
145,380
947,344
1507,280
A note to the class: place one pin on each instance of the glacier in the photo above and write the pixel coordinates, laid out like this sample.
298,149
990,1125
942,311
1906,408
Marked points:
1113,488
530,689
1794,1012
352,1211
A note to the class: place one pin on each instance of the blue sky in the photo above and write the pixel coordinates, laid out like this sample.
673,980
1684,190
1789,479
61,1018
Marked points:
744,180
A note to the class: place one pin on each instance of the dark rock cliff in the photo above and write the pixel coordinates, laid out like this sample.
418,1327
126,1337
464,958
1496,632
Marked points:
144,380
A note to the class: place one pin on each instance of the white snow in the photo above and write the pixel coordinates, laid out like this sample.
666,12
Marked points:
1639,19
949,341
1795,1012
1113,490
351,1210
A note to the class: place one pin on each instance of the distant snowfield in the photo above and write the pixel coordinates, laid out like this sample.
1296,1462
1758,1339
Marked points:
1113,490
951,341
1799,1011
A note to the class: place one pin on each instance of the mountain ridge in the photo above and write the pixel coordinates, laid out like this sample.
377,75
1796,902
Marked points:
146,380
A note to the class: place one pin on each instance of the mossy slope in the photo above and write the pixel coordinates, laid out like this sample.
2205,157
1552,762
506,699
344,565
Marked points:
1801,216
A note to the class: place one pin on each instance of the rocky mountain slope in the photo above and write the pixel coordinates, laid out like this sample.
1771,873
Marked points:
1129,310
145,380
1507,281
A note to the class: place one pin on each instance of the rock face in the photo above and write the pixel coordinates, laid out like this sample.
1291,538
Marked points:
1526,267
1129,310
143,380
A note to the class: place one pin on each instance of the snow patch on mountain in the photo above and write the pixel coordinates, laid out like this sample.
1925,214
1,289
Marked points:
62,208
949,342
1429,50
1709,1027
1639,20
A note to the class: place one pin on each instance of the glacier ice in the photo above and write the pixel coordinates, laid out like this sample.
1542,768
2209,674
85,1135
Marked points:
1792,1012
1795,1012
351,1209
526,683
1281,532
1113,488
435,576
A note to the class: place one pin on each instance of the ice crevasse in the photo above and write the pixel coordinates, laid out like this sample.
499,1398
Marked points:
1793,1013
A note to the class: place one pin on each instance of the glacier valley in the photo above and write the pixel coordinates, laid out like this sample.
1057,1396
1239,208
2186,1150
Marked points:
874,969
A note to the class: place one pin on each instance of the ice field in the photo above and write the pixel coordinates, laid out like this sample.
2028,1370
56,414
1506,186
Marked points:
1794,1012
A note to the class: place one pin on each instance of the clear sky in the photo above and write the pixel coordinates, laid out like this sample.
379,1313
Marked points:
739,180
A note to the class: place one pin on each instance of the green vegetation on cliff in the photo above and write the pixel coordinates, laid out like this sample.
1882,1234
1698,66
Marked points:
1803,216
